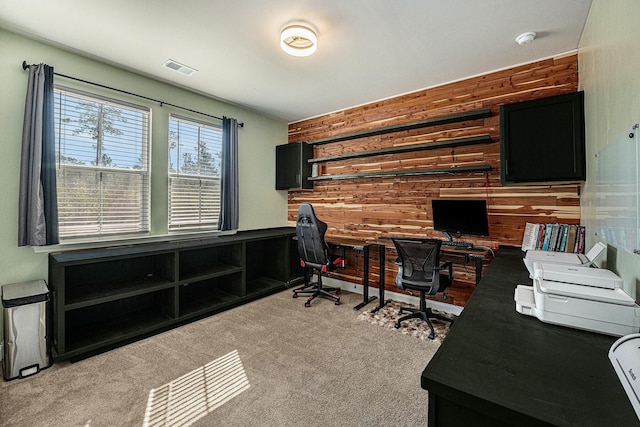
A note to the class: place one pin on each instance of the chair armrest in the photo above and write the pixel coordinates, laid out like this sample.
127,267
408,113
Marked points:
447,265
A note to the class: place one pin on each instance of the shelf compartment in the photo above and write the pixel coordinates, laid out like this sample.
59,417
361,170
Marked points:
103,281
210,261
90,328
274,259
443,120
211,271
263,286
206,296
431,171
458,142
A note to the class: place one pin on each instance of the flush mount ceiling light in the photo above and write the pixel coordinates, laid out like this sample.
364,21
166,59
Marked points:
298,40
526,38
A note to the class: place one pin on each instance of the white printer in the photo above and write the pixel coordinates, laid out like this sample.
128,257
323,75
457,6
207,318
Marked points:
584,298
624,355
587,260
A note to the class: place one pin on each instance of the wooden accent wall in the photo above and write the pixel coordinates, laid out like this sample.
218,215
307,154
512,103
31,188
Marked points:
394,206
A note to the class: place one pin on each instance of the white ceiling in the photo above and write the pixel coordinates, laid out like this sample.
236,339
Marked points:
367,49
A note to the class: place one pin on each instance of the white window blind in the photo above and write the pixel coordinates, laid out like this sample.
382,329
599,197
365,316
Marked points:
103,165
195,153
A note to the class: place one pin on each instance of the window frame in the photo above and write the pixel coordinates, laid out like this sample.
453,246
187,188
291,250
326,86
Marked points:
176,175
144,172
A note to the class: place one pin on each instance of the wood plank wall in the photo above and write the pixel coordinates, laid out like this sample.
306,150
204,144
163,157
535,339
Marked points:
392,206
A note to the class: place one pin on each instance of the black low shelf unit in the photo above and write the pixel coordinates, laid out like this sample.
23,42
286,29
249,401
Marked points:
107,297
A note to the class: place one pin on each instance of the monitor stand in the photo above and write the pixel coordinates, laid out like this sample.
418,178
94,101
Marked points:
448,236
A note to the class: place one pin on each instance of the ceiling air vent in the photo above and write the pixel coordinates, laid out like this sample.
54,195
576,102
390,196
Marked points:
181,68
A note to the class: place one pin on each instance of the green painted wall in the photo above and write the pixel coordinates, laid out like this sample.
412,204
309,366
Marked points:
261,206
609,66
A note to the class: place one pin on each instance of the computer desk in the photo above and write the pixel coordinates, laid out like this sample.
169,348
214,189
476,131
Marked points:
500,368
477,254
365,245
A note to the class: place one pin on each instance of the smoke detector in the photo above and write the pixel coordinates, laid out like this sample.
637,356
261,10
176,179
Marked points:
180,68
525,38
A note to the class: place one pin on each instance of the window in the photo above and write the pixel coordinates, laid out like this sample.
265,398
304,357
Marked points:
195,153
102,153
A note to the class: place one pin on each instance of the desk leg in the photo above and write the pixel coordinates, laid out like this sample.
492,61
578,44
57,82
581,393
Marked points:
478,261
365,280
382,258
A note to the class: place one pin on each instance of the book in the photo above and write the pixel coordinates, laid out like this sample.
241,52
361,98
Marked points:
580,240
554,237
571,238
541,233
547,237
563,238
530,237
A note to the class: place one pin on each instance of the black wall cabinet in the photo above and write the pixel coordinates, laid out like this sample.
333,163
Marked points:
292,166
543,140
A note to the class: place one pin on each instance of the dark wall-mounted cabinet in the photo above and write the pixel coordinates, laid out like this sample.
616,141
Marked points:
292,166
105,297
543,140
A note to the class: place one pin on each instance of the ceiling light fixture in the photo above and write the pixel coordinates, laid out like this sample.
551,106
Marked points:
525,38
298,40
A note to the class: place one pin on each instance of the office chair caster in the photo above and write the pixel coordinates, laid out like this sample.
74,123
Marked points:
397,325
295,295
337,302
307,304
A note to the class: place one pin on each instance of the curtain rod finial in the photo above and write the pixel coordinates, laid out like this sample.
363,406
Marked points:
24,65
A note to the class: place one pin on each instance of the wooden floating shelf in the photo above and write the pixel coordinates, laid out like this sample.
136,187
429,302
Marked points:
452,118
481,139
432,171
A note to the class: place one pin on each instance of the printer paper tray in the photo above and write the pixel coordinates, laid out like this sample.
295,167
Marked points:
604,318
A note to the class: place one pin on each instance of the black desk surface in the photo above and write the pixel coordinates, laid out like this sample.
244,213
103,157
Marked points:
518,369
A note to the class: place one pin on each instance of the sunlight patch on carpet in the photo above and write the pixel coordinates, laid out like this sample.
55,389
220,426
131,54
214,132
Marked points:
185,400
387,316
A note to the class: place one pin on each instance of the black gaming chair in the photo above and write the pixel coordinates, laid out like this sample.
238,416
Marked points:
420,270
314,255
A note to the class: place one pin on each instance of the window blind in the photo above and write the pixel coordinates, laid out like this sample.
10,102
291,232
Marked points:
195,152
103,165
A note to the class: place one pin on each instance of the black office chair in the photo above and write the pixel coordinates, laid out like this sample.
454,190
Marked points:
314,255
420,270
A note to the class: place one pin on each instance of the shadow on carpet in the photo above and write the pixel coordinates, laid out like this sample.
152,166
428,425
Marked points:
387,316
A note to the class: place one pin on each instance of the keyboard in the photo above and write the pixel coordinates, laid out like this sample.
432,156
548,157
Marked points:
457,245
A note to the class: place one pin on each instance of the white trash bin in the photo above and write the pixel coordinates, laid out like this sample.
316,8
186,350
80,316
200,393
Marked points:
24,310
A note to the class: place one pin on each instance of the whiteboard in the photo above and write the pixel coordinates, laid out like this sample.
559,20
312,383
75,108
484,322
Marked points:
617,185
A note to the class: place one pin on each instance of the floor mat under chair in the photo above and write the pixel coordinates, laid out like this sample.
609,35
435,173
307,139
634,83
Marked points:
387,316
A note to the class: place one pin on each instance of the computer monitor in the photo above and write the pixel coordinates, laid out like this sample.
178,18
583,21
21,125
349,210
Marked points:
460,217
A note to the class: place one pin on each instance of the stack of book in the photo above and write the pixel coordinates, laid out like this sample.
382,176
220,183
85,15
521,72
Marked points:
554,237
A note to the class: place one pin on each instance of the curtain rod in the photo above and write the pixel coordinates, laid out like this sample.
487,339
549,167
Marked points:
26,66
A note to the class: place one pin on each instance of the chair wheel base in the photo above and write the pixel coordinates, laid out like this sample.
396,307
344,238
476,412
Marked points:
397,325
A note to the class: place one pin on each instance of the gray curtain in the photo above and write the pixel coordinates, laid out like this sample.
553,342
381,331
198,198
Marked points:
37,204
229,180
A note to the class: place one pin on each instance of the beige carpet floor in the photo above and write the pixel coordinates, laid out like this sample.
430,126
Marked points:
272,362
